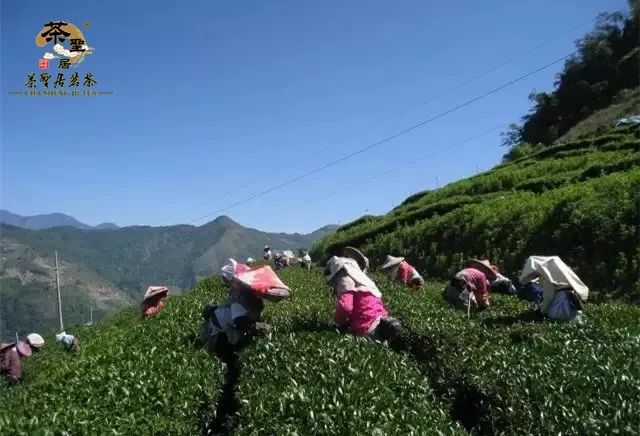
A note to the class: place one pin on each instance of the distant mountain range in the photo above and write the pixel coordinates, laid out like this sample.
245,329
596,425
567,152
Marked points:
47,221
107,270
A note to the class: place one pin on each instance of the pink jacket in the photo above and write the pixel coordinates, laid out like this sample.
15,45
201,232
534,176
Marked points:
477,284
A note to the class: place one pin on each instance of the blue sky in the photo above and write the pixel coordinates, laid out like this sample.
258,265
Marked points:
216,101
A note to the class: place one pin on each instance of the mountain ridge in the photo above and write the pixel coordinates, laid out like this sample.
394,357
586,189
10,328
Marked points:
110,268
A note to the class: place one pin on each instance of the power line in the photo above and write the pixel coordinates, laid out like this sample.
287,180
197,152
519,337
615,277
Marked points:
383,141
396,168
423,103
457,87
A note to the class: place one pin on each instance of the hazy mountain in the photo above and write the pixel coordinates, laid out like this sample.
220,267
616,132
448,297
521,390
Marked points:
38,222
106,226
113,267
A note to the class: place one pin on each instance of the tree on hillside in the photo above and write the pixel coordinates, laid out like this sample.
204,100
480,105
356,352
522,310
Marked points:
606,61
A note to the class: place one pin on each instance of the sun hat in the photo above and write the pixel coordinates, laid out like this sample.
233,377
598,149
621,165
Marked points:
263,282
334,265
5,345
352,269
23,348
35,340
60,336
289,254
155,290
483,266
232,268
354,253
391,261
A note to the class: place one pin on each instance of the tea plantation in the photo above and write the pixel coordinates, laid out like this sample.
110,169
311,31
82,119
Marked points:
579,200
502,372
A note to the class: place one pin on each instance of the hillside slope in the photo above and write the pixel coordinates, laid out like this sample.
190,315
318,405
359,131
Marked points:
579,200
113,267
28,286
500,372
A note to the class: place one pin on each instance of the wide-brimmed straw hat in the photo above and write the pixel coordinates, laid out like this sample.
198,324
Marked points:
5,345
35,340
482,265
357,255
23,348
155,290
289,254
391,261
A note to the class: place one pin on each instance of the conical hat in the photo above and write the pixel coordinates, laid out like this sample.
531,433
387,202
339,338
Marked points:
35,340
263,282
351,267
482,265
23,348
357,255
391,261
5,345
155,290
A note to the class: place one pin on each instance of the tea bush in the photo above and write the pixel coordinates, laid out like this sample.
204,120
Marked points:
538,377
128,376
520,208
501,372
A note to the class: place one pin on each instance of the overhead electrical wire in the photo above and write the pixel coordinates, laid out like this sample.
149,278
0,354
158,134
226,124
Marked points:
348,187
382,141
426,101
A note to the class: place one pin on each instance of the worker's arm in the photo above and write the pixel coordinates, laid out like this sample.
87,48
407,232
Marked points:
482,293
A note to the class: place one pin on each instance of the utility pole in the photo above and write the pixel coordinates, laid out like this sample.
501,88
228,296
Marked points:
91,319
58,287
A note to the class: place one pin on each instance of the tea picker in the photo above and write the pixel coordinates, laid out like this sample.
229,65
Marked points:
563,293
401,271
69,342
305,261
359,306
468,289
228,327
10,367
154,300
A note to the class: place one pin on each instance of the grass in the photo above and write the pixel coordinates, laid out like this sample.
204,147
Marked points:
502,372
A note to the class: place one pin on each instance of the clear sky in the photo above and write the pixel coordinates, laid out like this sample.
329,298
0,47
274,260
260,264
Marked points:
215,101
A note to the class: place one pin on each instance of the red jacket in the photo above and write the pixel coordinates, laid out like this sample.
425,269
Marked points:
153,305
408,275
